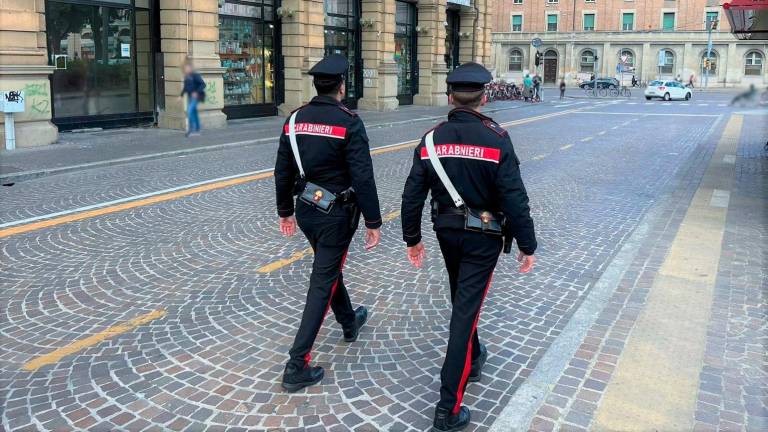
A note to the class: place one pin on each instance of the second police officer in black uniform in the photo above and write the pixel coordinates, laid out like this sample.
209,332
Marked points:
478,202
325,161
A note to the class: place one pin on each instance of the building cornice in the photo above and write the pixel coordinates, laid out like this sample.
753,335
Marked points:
618,37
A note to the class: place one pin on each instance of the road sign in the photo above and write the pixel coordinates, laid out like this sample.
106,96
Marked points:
536,42
662,58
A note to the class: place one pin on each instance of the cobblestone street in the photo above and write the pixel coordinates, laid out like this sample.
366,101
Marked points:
157,294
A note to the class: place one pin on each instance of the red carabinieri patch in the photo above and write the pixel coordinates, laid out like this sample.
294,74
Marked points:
317,129
464,151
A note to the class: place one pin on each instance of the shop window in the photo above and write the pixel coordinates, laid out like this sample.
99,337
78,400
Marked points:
712,63
630,56
669,63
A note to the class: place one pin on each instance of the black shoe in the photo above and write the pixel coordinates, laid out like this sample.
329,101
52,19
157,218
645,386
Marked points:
361,316
295,379
446,422
476,371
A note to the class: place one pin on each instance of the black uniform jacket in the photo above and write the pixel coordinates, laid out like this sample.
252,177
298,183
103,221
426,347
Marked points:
478,157
334,152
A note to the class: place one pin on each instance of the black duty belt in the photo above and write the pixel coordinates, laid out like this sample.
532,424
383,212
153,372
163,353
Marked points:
322,199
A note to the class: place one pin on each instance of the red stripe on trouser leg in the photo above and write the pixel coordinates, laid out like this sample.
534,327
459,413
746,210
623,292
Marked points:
468,359
308,356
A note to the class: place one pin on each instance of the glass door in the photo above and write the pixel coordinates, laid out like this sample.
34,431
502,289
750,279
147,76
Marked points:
405,51
342,34
452,39
92,47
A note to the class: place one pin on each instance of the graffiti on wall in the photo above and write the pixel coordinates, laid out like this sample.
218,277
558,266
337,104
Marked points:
38,98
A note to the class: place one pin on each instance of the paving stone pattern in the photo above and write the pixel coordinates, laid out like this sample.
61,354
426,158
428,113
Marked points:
214,362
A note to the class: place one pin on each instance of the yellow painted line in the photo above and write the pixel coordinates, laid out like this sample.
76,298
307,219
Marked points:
277,265
55,356
655,384
129,205
566,147
391,216
47,223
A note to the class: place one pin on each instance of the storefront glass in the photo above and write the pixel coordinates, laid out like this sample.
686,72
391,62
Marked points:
246,49
405,51
102,55
341,36
452,39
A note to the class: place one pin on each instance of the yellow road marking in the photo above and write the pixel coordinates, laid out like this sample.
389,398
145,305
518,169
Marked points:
55,356
277,265
129,205
20,229
655,384
285,261
566,147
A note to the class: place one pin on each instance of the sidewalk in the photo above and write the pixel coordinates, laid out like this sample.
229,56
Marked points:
672,337
81,150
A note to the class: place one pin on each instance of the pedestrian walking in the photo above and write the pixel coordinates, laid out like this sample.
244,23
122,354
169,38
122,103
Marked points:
536,88
324,159
472,154
194,88
691,81
562,89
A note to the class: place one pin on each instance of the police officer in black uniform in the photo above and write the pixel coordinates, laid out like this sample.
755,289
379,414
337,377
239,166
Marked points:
491,207
332,175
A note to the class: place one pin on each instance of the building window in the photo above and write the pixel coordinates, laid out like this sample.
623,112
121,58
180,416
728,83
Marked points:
668,21
517,23
669,63
517,1
515,60
589,22
712,63
753,64
628,21
552,22
587,61
630,58
712,16
552,1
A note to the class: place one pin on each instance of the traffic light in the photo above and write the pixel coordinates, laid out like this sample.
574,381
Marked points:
537,61
707,64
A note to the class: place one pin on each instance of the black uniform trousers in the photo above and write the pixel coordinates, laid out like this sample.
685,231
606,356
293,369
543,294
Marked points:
470,258
330,236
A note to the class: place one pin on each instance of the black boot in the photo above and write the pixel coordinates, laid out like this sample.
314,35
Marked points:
296,378
446,422
476,371
361,316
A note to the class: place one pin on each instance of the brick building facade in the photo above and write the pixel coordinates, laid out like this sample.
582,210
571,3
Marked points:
110,63
585,37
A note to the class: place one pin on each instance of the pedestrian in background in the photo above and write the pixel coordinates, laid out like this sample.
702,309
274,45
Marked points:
536,88
473,154
691,81
194,88
324,158
527,87
562,89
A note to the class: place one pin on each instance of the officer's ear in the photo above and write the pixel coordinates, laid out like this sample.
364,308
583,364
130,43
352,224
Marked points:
484,99
343,89
450,98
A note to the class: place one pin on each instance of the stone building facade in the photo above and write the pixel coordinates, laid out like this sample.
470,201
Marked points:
619,38
112,63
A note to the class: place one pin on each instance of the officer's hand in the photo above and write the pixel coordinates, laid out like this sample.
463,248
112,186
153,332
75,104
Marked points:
372,238
527,262
288,225
416,254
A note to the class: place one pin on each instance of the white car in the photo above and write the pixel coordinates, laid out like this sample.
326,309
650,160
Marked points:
667,90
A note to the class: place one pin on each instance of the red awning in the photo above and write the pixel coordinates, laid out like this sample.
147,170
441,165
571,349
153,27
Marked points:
748,18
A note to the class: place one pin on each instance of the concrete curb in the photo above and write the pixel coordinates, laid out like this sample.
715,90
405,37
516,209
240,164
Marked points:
6,179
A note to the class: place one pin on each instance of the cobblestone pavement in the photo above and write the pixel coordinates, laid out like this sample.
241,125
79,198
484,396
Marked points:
207,349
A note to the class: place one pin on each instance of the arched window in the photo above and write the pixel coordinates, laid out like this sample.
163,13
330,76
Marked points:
753,63
515,60
630,62
669,63
713,58
587,63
